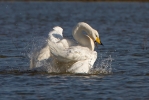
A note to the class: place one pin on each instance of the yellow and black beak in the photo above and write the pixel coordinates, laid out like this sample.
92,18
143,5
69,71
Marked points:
98,41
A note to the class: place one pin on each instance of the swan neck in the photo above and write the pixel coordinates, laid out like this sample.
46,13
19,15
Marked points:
84,39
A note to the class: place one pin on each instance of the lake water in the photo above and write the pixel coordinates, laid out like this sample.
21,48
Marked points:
124,58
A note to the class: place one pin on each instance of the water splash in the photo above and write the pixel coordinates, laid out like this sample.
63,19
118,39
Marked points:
102,66
33,51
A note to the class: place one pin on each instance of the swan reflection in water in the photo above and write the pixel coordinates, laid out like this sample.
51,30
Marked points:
64,55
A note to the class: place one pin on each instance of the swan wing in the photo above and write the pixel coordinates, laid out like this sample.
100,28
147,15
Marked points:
67,54
80,67
55,35
83,66
44,53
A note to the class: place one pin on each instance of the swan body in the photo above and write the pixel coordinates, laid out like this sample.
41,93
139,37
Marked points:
80,57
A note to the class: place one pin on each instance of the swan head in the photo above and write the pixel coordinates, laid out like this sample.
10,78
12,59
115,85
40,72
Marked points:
95,37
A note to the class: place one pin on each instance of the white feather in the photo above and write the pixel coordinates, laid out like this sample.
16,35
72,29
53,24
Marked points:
64,51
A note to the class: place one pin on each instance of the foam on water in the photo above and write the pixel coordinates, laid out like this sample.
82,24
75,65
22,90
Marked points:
101,66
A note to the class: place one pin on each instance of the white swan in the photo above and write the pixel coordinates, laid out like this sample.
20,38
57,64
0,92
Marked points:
69,56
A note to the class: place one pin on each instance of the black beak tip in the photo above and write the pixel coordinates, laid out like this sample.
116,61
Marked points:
101,44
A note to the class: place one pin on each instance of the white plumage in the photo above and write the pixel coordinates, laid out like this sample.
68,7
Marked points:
70,56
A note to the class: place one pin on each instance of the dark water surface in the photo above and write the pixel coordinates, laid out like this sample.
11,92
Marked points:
123,29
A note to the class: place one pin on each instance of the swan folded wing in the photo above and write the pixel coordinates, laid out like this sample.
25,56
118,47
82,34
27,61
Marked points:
79,67
68,54
83,66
